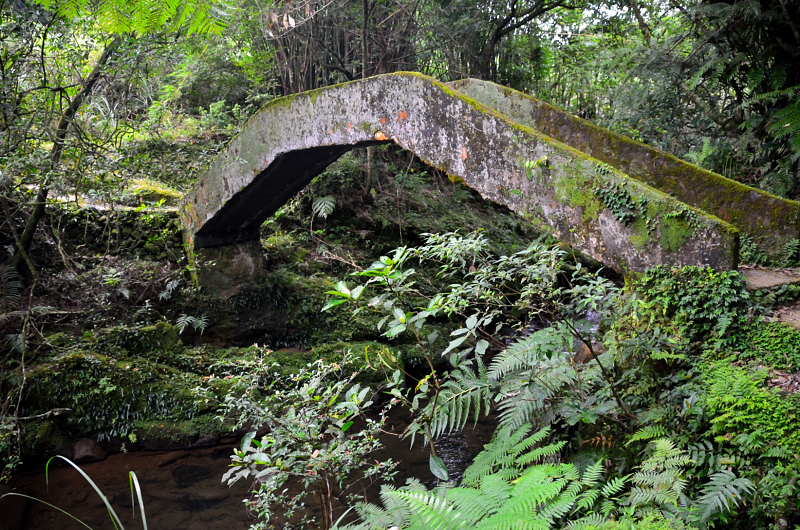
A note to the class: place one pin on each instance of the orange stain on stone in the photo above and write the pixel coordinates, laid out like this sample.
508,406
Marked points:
380,136
350,126
402,115
463,152
383,120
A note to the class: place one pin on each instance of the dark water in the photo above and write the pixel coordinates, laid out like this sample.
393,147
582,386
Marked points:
183,489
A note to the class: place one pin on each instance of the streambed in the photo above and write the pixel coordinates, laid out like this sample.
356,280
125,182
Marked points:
183,490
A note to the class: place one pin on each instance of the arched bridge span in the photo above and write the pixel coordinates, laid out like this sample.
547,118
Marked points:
588,204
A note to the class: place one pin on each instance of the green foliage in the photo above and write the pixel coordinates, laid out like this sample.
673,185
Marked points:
721,494
701,302
757,425
215,116
311,439
10,288
773,343
701,158
323,206
143,16
10,316
494,294
619,201
198,323
786,122
507,487
660,480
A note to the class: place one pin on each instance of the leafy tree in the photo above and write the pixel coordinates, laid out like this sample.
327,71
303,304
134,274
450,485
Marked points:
118,22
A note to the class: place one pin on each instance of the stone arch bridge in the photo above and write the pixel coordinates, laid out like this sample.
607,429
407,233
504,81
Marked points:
618,201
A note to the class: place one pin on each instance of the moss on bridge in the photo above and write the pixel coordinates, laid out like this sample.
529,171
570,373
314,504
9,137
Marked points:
771,221
585,202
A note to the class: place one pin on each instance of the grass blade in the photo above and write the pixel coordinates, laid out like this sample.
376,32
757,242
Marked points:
50,505
135,485
114,518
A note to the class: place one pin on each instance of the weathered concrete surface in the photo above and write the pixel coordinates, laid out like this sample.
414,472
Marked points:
593,207
770,220
767,278
222,269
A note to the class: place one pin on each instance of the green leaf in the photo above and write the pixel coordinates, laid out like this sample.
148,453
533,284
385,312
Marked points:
333,303
247,439
455,343
395,330
435,302
480,347
438,468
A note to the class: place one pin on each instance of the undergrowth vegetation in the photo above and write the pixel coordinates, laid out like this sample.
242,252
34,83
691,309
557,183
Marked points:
657,404
654,387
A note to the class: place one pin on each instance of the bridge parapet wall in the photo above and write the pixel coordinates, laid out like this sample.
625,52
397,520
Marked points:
771,221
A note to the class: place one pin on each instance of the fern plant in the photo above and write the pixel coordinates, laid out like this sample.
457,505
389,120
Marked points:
146,16
511,485
323,206
198,323
660,482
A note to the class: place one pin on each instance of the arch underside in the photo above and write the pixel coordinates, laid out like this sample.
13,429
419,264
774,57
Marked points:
241,217
561,190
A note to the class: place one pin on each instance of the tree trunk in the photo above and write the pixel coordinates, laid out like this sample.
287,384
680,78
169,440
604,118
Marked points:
26,239
637,13
484,70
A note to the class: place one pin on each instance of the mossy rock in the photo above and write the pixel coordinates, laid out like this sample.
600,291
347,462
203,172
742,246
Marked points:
156,339
146,191
59,340
47,438
106,395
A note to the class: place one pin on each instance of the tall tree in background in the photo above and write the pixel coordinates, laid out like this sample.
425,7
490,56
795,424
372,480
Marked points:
317,43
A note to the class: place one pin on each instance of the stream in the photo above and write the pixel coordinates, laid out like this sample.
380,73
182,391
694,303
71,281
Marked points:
183,490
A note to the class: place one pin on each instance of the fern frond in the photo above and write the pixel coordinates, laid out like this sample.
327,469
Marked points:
323,206
10,287
647,433
558,508
527,394
514,521
430,510
534,488
779,451
475,504
518,408
541,453
395,508
614,486
592,474
534,348
499,453
591,521
721,494
465,393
